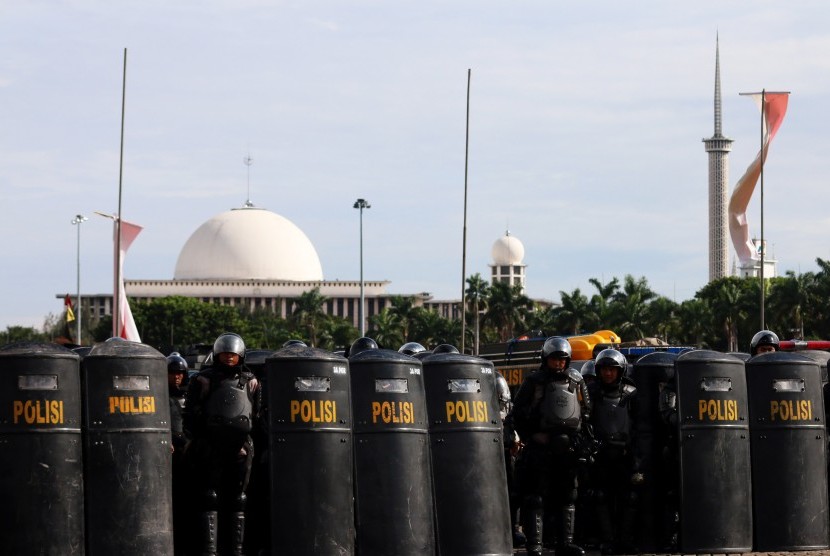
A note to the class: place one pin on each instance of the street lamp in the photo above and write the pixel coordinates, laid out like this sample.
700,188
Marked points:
361,204
77,221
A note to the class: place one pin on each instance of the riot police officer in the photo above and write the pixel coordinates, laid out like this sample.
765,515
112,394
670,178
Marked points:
549,413
176,374
222,406
764,342
511,451
667,406
615,474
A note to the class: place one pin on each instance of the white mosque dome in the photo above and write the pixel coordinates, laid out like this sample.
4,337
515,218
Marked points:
508,250
248,243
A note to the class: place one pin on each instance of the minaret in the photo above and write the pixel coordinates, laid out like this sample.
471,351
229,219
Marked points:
718,148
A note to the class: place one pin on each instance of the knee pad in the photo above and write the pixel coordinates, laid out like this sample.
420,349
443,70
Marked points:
533,503
210,500
239,502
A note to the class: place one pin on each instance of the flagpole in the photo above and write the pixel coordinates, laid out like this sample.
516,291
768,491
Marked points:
464,240
763,247
765,140
116,310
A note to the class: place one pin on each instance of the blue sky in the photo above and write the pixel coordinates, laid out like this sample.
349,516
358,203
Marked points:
586,120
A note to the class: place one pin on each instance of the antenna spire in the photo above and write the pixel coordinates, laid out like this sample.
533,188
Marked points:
247,161
718,112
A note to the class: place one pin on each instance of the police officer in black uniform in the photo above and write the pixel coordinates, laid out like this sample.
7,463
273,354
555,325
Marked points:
763,342
670,459
176,374
615,474
222,406
550,411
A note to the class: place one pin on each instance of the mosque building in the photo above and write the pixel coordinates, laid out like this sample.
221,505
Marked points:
220,264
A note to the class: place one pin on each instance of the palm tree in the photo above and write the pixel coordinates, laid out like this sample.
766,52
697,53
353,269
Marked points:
385,328
403,309
727,309
477,294
695,321
630,306
573,312
508,310
788,295
601,301
663,321
308,313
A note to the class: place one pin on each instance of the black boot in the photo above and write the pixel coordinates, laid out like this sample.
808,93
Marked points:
237,532
207,527
532,525
565,545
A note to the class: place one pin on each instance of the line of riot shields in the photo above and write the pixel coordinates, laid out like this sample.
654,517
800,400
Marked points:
739,464
382,453
377,454
84,450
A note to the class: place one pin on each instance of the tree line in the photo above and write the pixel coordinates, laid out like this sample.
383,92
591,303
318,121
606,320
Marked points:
723,315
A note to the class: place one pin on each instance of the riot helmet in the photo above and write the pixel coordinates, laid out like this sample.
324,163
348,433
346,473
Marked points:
610,358
588,372
503,391
176,363
294,342
362,344
558,347
411,348
764,338
445,348
229,343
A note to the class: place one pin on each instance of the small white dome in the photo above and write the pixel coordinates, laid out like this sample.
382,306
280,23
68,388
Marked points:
248,243
508,250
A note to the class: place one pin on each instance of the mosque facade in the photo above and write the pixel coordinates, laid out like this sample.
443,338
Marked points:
220,264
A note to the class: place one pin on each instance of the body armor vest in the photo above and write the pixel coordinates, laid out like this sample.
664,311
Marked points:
560,408
229,407
613,423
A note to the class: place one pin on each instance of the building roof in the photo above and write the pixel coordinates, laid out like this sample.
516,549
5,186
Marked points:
248,243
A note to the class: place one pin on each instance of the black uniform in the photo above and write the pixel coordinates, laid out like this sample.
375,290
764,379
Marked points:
667,405
223,404
180,476
549,412
615,473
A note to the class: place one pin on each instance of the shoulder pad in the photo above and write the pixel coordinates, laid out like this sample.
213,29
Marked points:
575,375
628,390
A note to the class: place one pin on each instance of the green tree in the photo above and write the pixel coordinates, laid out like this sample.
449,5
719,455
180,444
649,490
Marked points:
508,310
573,312
403,311
662,319
385,328
308,314
601,301
630,307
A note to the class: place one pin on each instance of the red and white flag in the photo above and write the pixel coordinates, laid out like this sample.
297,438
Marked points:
772,114
125,328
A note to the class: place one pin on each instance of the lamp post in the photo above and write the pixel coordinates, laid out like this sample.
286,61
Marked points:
77,221
361,204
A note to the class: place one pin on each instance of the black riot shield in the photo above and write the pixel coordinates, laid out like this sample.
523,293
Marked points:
715,485
310,452
127,463
789,457
393,482
41,464
258,506
472,507
651,373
